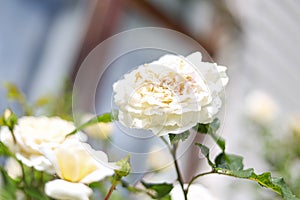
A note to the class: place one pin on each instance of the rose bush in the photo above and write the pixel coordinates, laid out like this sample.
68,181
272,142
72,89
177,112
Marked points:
170,95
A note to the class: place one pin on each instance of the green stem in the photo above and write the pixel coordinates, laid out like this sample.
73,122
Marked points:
196,177
112,188
11,129
179,176
32,181
167,144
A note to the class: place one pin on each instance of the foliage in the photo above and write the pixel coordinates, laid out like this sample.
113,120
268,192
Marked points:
232,165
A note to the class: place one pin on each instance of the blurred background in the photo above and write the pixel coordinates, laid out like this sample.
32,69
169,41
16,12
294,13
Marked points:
44,42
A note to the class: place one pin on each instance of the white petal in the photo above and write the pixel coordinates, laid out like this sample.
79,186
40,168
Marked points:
64,190
13,168
97,175
195,58
7,139
40,163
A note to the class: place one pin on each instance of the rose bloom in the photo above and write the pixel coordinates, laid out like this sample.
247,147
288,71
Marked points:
170,95
196,191
261,107
77,164
32,133
159,158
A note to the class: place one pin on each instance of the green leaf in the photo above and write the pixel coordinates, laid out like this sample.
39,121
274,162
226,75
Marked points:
202,128
13,93
243,173
286,193
9,186
105,118
124,167
278,185
219,140
1,121
205,151
35,193
211,129
167,197
208,128
229,161
42,101
4,151
176,138
160,190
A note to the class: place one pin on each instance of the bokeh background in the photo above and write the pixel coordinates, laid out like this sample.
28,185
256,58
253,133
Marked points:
43,43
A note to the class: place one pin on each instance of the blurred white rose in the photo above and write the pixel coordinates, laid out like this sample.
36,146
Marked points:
261,107
161,166
196,192
170,95
159,158
99,130
31,134
77,164
13,168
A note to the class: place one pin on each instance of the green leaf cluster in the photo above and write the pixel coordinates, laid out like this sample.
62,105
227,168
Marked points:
176,138
232,165
211,129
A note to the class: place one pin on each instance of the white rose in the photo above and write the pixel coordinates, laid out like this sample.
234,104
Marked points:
77,164
159,158
32,133
196,191
261,107
170,95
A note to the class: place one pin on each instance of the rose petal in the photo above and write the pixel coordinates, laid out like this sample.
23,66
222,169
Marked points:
40,163
64,190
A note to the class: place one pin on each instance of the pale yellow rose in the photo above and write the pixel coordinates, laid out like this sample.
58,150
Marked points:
76,164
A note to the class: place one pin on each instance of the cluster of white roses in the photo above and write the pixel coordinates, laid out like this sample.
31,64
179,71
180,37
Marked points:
170,95
41,143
